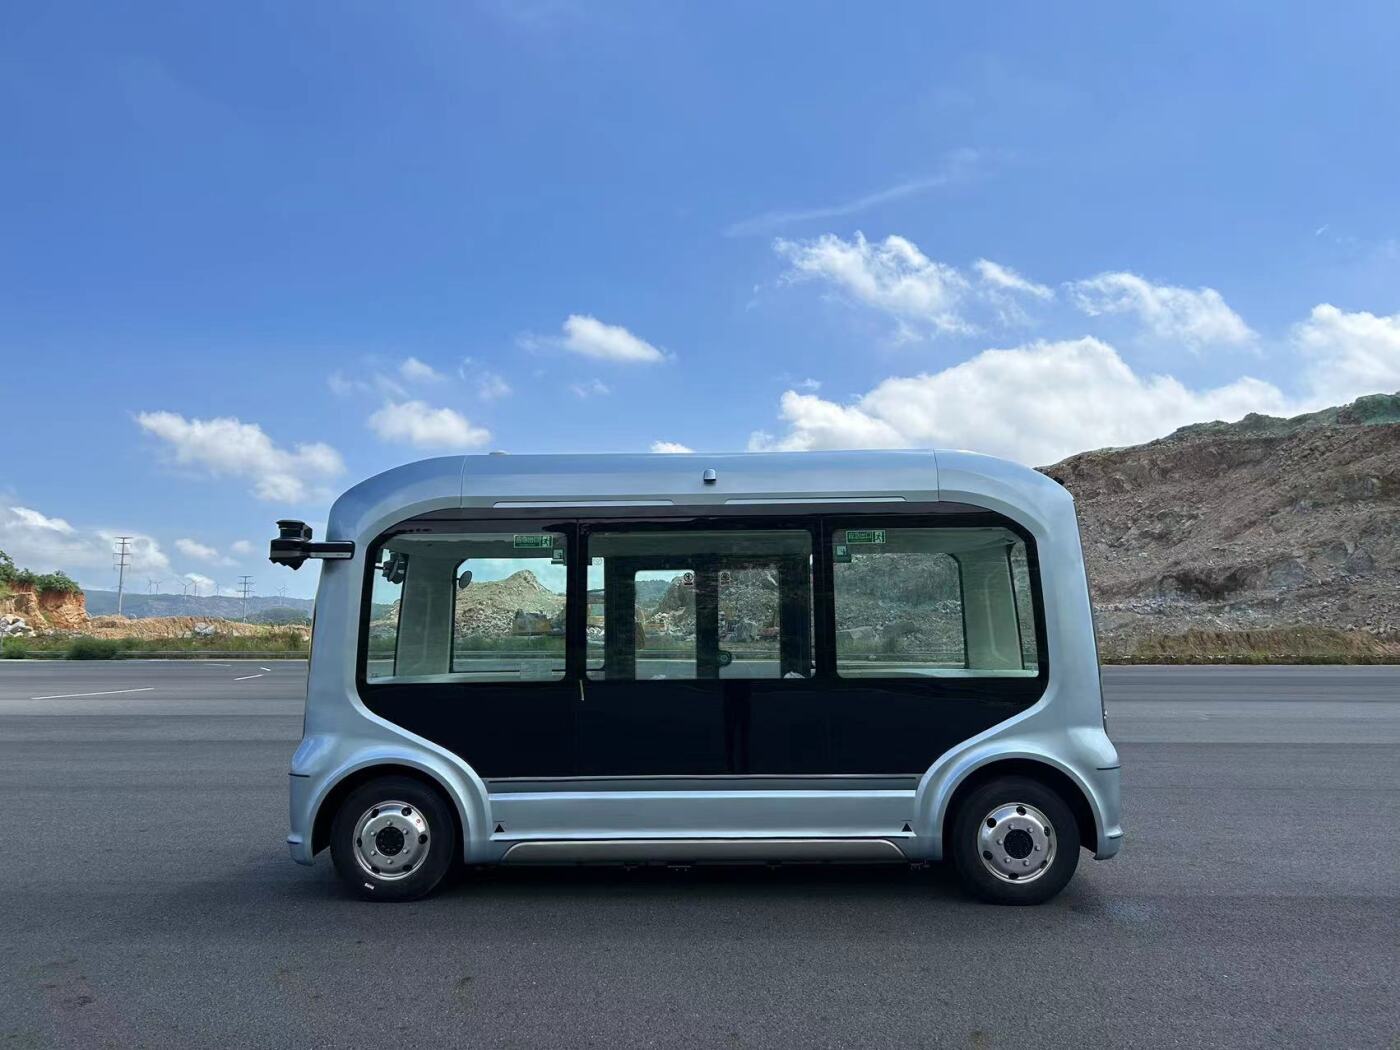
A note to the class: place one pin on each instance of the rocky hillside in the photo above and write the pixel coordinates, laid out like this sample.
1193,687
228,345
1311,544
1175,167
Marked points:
139,605
517,605
1263,523
25,609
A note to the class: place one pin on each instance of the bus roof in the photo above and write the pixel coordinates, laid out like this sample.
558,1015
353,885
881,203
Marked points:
620,480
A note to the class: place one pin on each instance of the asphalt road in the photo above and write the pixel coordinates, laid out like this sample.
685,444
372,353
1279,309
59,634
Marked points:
149,899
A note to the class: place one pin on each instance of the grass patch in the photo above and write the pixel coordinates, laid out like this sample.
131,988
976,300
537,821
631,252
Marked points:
13,649
1280,645
92,649
84,647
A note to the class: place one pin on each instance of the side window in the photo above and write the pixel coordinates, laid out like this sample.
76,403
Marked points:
693,604
485,607
1025,605
939,602
390,570
508,619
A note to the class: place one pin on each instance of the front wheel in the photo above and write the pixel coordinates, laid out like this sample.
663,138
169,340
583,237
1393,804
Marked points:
393,839
1015,841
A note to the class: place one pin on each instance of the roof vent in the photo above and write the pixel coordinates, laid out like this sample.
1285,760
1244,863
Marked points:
710,477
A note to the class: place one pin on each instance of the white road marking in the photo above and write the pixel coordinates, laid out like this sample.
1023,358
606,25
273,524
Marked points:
246,677
264,668
105,692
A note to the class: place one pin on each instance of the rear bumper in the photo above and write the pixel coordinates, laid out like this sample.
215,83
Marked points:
1106,786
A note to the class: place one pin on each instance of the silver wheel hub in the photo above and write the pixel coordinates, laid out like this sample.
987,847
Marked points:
1016,842
391,840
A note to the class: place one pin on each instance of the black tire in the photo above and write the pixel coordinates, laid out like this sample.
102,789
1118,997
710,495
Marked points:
977,879
424,877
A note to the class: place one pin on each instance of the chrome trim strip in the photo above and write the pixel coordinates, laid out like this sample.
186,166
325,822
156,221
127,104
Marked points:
717,851
713,781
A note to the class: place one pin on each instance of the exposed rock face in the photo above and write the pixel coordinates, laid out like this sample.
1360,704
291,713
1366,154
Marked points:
517,605
1257,524
46,610
181,627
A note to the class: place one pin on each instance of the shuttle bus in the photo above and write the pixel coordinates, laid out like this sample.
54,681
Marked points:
754,658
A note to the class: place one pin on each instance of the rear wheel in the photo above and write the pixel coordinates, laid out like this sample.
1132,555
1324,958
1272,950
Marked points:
1015,841
393,839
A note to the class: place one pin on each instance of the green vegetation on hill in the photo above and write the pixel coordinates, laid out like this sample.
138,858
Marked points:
1371,410
1281,645
12,577
82,647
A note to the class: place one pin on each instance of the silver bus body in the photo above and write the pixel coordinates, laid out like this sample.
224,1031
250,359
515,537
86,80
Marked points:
636,816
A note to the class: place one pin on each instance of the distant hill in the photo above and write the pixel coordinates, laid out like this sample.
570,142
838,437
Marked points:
1261,524
140,606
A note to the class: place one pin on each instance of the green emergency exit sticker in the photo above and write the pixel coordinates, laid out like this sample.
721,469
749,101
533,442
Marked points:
533,541
865,535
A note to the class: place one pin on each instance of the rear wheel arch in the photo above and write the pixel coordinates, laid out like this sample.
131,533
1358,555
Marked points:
341,789
1043,772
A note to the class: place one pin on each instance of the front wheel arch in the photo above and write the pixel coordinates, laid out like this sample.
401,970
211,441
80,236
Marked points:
1056,780
340,791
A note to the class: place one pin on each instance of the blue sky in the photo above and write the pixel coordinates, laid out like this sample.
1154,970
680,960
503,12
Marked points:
252,253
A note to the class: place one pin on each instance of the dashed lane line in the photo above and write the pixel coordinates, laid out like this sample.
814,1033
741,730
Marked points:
105,692
246,677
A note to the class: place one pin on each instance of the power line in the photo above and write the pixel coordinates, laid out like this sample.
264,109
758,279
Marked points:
245,584
122,554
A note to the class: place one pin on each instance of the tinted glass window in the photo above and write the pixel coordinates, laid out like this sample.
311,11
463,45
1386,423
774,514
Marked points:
951,601
699,604
508,622
479,607
390,570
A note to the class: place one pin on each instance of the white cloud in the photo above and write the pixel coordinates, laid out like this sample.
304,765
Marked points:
607,342
228,447
1194,318
200,584
1005,279
592,388
1349,354
1036,403
670,446
810,384
892,275
342,385
416,371
200,552
420,424
46,544
492,387
32,519
957,166
242,548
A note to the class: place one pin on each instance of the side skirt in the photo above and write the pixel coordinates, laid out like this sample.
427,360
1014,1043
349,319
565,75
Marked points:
702,851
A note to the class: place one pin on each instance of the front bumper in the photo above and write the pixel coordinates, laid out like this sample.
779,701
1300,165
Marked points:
302,819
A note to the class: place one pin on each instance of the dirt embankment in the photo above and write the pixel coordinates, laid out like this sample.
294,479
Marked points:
155,627
46,610
1249,526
